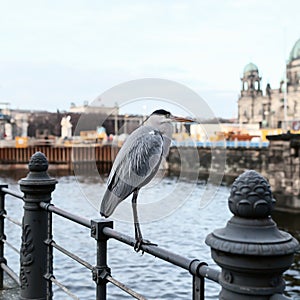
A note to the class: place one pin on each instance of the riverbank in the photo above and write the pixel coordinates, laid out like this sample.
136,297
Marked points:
279,163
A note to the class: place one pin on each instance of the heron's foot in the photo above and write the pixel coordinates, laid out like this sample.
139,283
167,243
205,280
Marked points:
139,242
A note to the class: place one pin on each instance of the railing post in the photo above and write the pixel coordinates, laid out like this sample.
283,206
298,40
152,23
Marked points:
251,251
198,288
35,258
2,234
101,270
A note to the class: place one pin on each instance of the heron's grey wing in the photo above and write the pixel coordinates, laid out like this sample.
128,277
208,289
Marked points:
136,164
145,157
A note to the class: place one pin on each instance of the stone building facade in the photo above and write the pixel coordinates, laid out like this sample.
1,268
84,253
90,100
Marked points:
273,108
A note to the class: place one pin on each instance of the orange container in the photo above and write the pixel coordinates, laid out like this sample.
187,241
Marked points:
21,142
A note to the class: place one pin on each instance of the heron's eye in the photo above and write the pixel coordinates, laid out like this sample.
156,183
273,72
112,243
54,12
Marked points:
168,116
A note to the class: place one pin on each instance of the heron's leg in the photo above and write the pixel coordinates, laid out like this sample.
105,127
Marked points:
137,230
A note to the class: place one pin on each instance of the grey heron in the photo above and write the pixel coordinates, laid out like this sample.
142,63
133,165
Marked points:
137,163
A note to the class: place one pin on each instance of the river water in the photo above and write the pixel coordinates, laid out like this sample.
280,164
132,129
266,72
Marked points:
183,231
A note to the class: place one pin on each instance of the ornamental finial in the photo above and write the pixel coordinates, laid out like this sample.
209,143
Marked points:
251,196
38,162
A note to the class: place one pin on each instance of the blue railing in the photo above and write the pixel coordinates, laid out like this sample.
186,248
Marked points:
221,144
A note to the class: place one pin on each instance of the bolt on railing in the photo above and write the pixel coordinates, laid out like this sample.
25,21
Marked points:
250,250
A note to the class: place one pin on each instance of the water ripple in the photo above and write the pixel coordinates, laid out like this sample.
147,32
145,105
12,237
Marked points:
183,232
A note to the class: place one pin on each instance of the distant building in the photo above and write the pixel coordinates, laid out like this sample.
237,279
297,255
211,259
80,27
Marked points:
86,108
276,108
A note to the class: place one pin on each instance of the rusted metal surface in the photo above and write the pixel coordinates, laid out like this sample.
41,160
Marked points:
63,157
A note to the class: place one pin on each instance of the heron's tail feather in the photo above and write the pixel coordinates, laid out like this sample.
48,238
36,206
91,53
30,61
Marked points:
109,203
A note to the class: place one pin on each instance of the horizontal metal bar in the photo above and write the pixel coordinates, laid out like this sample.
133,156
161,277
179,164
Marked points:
90,267
10,273
11,246
12,220
65,289
124,288
151,249
194,266
12,193
207,272
77,219
71,255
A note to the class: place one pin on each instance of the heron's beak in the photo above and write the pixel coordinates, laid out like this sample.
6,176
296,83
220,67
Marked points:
182,120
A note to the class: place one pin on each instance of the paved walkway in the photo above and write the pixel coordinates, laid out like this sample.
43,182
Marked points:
11,290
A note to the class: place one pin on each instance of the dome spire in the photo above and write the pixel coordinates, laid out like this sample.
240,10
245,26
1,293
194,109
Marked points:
250,67
251,81
295,52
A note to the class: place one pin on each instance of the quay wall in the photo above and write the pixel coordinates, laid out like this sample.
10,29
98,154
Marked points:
237,159
232,161
279,163
61,157
187,159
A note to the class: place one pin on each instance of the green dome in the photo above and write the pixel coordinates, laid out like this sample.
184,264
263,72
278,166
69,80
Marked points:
251,67
295,53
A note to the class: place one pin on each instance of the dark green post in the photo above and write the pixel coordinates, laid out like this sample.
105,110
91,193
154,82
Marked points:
252,252
35,260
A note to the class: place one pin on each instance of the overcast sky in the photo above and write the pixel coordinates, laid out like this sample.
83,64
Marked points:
53,53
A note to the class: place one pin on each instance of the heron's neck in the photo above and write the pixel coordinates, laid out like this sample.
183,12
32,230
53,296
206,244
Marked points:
166,129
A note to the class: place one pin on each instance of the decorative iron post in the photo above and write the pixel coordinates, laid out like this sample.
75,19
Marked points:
251,251
34,255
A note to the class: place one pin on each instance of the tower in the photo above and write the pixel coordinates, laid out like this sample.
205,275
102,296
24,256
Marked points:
250,92
293,67
251,81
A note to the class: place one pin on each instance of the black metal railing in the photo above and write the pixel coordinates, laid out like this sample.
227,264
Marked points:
3,241
37,188
102,230
36,254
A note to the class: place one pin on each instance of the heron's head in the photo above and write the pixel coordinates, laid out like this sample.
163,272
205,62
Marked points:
162,120
163,116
